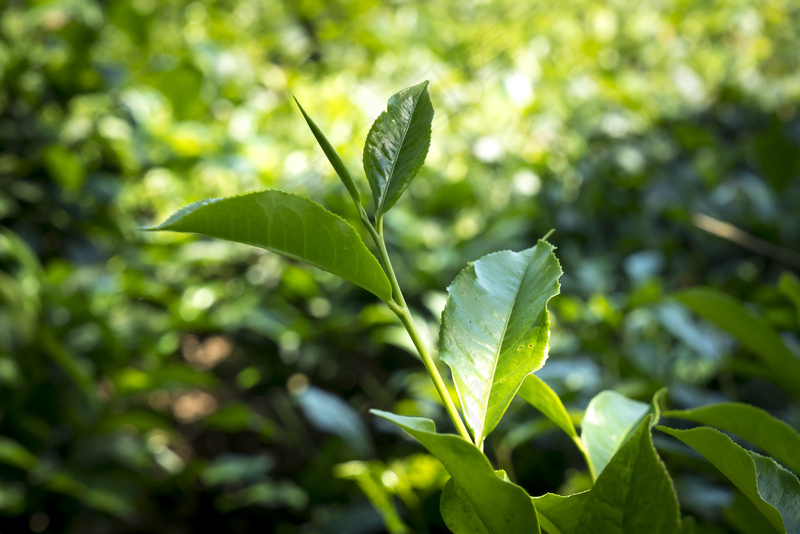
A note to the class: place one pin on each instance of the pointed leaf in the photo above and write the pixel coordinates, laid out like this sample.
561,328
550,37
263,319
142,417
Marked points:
543,398
634,493
559,514
290,225
753,333
496,329
609,421
397,144
501,507
770,487
333,157
769,434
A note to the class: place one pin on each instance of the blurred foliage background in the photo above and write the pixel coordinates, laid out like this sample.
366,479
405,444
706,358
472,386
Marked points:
158,383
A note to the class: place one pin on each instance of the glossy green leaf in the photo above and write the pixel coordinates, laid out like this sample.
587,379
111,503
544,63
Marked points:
771,435
501,507
496,329
752,332
536,392
609,420
293,226
634,493
333,157
397,144
559,514
774,490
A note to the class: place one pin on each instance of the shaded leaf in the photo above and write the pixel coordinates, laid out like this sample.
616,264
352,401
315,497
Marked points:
501,507
458,513
609,420
769,434
333,157
789,286
559,514
634,493
753,333
496,329
293,226
397,144
329,413
770,487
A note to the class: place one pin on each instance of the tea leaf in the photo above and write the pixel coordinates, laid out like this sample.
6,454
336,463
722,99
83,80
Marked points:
496,329
397,144
774,490
769,434
499,506
559,514
634,493
293,226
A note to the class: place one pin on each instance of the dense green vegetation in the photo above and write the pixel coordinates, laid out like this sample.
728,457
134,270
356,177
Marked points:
157,383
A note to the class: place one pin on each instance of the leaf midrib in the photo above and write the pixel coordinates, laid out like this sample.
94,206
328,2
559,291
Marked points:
499,348
402,142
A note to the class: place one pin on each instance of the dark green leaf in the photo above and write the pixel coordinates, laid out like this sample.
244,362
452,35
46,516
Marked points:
496,329
771,435
609,421
333,157
634,493
771,488
559,514
290,225
753,333
397,144
501,506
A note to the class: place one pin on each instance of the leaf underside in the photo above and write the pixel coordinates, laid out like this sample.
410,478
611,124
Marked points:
769,434
633,494
501,506
496,329
287,224
397,144
774,490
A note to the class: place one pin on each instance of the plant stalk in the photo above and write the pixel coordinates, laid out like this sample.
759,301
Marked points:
401,310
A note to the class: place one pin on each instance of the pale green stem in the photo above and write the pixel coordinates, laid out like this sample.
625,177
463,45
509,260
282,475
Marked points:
401,310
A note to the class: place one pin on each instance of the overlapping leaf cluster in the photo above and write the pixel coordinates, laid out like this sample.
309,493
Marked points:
494,335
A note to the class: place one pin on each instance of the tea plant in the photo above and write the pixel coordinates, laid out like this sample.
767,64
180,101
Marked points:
494,335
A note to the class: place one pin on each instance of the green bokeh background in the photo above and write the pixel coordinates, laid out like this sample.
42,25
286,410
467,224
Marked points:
163,383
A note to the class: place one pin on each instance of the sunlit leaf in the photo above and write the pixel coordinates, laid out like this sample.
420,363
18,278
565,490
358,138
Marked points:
496,329
290,225
559,514
333,157
634,493
754,334
774,490
397,144
543,398
501,506
609,421
771,435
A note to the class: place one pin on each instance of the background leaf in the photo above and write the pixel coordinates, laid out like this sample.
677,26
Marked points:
753,333
501,506
768,433
634,493
608,422
397,144
770,487
496,329
559,514
293,226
